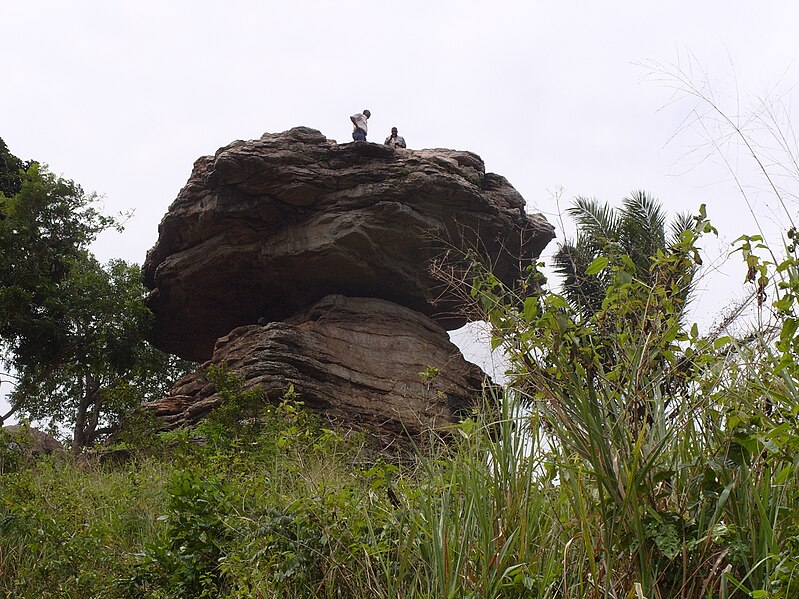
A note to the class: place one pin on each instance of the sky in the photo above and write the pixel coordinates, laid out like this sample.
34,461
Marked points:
564,99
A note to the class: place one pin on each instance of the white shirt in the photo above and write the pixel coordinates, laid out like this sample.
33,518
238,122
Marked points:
359,120
395,142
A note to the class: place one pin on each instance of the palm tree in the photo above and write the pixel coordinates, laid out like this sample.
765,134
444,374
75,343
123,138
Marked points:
636,230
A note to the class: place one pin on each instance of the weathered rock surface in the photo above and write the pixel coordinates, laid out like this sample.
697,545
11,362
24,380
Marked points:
267,227
356,360
34,442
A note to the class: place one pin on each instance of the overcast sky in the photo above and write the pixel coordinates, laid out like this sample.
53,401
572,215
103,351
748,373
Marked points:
122,97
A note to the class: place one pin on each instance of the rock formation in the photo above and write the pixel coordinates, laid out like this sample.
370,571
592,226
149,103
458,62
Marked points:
32,441
366,362
267,227
328,247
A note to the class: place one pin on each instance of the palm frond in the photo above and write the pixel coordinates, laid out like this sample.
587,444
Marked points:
584,292
682,222
643,224
596,220
643,218
637,229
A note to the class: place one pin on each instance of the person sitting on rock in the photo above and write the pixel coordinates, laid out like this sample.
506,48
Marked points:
359,121
394,140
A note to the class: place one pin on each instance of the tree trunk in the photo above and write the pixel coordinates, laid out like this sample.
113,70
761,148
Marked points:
14,407
91,397
8,414
90,431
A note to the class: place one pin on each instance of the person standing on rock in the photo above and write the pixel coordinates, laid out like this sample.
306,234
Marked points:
359,121
394,140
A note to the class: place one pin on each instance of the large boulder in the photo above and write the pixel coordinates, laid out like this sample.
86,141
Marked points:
362,362
32,441
267,227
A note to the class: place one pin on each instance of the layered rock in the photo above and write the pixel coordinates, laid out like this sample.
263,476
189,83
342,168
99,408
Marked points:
369,363
267,227
329,249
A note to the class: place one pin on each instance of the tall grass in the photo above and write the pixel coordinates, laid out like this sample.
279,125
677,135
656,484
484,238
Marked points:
531,498
485,511
671,451
628,457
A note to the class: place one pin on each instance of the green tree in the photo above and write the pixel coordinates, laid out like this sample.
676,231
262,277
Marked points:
49,226
626,398
104,366
636,231
71,328
11,169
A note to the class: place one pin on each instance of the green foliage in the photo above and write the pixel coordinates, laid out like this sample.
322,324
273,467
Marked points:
13,454
11,169
635,233
69,531
240,411
429,375
188,562
675,453
291,509
103,366
271,512
629,456
481,518
72,329
49,226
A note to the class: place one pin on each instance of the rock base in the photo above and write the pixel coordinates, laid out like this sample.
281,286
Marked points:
366,363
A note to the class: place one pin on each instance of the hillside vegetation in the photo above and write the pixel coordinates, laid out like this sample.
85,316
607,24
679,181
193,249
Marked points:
629,457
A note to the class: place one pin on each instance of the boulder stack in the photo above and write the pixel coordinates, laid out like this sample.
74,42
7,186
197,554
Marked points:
296,260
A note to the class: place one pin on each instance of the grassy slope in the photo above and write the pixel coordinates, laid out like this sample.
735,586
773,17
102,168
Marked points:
288,509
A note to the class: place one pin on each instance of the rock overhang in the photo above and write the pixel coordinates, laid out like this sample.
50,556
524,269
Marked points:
267,227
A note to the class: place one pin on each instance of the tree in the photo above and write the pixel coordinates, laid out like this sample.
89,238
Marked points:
637,232
103,365
71,328
11,169
49,226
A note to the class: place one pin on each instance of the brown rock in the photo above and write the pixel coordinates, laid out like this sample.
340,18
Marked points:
356,360
33,441
266,227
